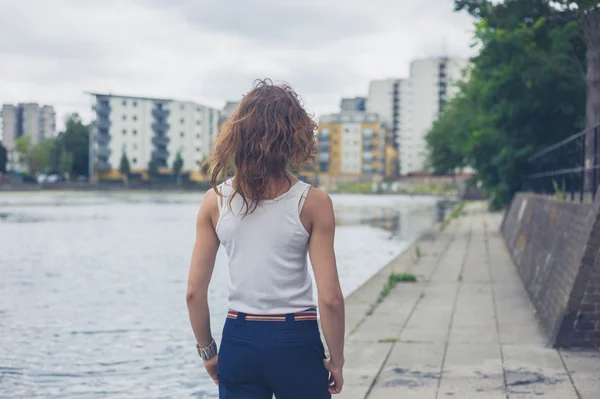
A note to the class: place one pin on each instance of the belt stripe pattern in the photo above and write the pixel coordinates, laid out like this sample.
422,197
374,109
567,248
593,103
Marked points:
309,314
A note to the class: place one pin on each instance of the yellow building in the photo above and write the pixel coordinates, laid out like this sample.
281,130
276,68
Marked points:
355,144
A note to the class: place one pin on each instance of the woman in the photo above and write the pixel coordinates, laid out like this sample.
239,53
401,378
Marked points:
268,220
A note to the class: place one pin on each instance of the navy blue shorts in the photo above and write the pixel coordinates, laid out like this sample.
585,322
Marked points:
259,357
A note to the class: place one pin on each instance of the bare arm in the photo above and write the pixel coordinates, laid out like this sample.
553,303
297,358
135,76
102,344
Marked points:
319,210
201,268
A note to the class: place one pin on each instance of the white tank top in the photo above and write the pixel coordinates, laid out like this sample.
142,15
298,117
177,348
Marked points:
267,251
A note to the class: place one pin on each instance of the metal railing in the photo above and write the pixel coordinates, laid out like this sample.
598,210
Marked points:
569,167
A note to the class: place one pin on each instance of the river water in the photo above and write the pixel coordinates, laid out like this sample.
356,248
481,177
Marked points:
92,287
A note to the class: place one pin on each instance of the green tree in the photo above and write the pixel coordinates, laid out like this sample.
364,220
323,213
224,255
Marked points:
66,164
23,153
3,158
524,93
178,166
75,140
41,156
153,168
125,168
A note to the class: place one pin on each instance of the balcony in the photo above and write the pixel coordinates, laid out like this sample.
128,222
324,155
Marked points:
160,127
324,147
160,154
324,167
103,152
102,165
324,157
102,109
102,139
102,124
160,113
368,157
368,146
161,141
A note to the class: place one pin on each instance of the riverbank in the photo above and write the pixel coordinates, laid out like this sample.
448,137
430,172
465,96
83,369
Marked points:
466,328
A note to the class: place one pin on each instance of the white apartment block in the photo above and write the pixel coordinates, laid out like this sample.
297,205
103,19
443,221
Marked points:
27,119
432,83
151,127
390,99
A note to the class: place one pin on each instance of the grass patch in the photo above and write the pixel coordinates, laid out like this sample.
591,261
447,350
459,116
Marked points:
402,278
418,253
456,212
392,280
354,188
387,340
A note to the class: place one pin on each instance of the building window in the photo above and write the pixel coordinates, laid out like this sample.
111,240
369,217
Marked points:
197,149
198,123
124,117
135,103
198,109
182,134
182,107
134,160
124,131
197,136
134,132
124,102
182,121
135,146
134,118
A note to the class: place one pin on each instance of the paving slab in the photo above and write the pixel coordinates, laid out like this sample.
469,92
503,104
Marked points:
584,367
467,329
472,371
533,370
412,371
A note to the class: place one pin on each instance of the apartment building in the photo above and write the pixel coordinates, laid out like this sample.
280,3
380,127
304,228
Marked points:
432,84
27,119
352,144
356,104
146,128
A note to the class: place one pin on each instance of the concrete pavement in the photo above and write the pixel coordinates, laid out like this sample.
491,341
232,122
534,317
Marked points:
466,329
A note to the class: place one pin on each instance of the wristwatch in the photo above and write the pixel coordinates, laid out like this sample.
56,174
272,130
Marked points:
209,352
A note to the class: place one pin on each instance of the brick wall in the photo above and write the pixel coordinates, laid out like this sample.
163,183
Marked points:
556,248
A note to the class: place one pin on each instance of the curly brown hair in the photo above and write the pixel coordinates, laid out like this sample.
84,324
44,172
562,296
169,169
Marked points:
269,133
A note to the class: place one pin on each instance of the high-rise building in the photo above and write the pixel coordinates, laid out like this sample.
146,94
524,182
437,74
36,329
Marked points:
144,128
390,99
351,144
433,82
28,119
356,104
228,109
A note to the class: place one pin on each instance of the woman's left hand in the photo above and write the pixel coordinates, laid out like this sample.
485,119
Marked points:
212,366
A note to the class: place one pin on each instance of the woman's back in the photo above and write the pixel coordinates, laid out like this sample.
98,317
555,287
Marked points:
267,252
270,342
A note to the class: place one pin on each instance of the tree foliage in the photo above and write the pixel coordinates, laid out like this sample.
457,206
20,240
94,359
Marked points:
23,152
3,158
178,164
124,167
65,164
526,91
74,140
153,169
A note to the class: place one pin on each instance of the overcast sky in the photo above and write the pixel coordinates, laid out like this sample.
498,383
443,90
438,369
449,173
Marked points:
211,51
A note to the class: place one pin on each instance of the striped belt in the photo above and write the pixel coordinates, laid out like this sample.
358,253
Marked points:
309,314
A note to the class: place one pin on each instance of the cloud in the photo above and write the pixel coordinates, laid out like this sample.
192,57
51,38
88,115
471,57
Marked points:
211,51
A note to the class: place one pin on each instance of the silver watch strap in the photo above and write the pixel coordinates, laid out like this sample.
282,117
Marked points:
208,352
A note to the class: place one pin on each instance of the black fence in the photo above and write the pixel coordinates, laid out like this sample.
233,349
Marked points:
569,168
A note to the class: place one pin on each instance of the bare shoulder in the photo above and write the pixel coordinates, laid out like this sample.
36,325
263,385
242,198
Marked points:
210,199
318,198
318,203
209,209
